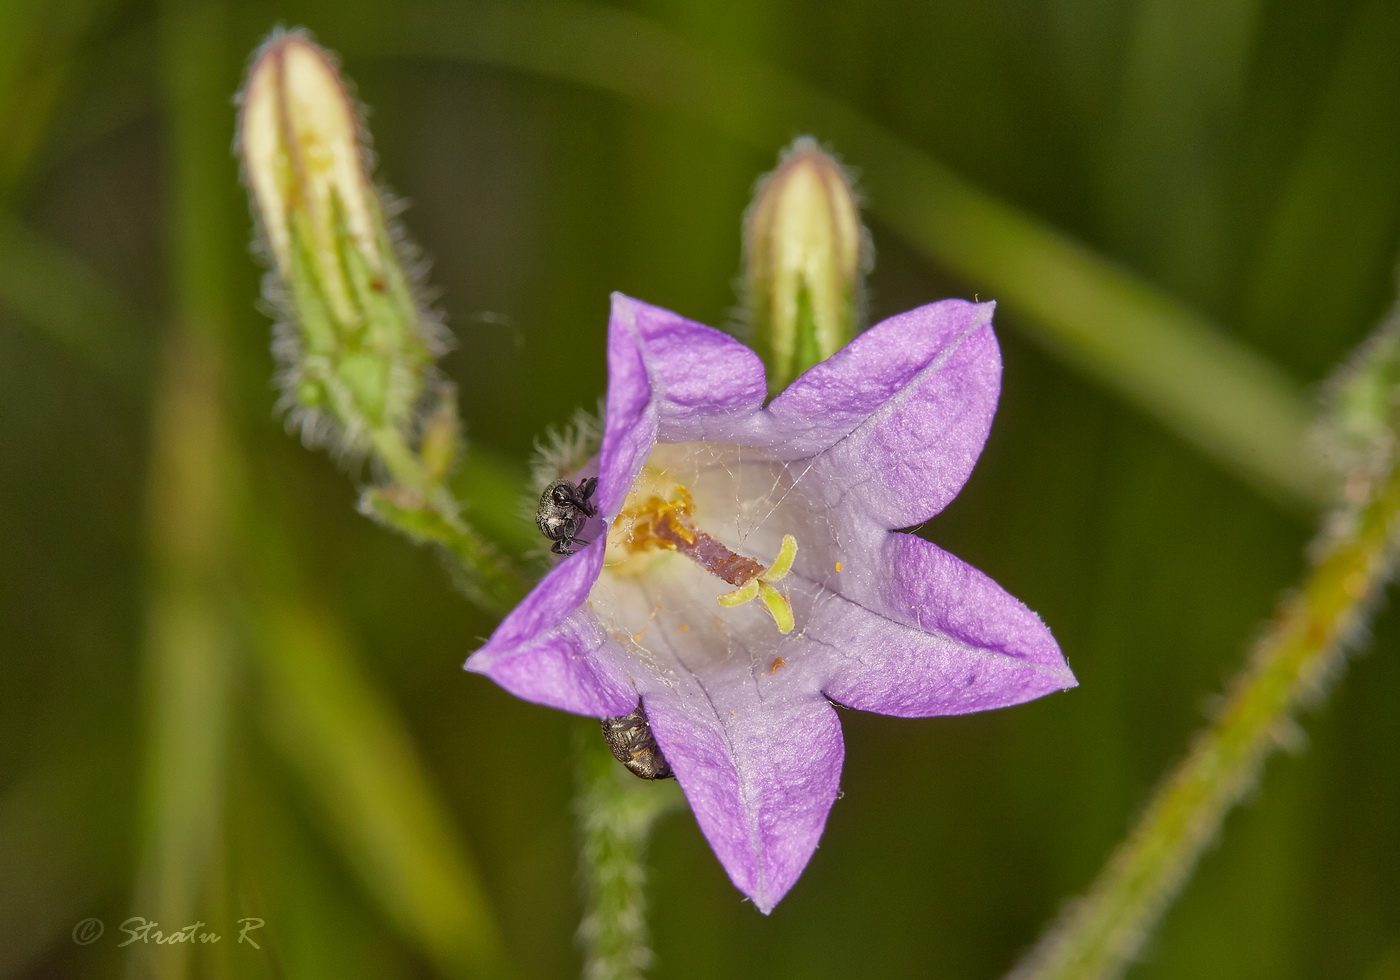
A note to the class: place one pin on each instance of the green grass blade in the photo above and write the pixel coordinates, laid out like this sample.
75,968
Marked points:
359,766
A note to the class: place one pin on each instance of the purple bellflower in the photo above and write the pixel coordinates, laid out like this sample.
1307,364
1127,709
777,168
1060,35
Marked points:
746,568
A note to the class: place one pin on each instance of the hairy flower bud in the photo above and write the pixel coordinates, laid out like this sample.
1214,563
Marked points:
805,258
1360,423
358,348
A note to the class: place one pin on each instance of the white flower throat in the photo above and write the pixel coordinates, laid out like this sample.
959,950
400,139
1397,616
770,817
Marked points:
691,501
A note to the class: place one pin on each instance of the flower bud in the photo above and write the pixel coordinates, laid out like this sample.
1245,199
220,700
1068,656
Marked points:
1361,409
357,348
805,259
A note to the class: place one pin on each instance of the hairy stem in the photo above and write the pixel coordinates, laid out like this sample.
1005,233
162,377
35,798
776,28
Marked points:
477,568
418,502
616,812
1301,649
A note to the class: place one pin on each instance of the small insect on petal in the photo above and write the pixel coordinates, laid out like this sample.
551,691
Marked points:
563,511
632,744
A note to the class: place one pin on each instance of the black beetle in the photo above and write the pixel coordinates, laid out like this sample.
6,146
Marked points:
632,743
564,509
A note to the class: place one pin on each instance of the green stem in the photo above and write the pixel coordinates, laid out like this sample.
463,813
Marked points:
1302,648
616,812
432,518
423,507
404,466
419,503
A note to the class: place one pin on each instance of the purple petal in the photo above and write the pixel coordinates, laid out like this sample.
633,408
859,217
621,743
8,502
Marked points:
547,649
703,382
760,774
928,634
630,416
572,667
559,593
899,416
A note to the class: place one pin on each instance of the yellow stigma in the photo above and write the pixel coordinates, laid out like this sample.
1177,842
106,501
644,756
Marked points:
760,587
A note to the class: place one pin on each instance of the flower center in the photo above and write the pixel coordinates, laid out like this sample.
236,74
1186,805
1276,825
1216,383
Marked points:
652,522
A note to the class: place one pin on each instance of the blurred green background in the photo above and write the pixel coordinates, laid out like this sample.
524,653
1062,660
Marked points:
224,694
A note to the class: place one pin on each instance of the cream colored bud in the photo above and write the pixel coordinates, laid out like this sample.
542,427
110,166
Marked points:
302,157
806,255
357,344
